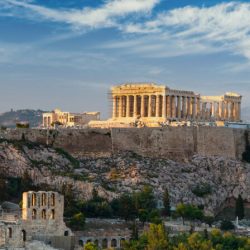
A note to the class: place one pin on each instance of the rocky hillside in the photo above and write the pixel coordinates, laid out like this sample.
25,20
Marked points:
202,180
46,167
9,119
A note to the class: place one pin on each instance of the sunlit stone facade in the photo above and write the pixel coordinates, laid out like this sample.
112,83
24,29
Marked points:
157,103
68,119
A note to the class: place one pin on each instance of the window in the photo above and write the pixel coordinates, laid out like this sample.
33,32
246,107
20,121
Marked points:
34,214
52,214
104,243
43,199
53,200
113,243
44,214
33,199
66,233
80,243
24,235
10,232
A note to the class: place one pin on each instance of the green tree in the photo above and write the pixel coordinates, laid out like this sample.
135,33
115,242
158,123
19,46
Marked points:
157,238
216,237
127,208
78,221
70,205
189,211
181,246
166,203
135,231
154,217
181,212
226,225
90,246
208,220
239,208
145,199
143,215
4,190
26,182
139,244
197,242
95,196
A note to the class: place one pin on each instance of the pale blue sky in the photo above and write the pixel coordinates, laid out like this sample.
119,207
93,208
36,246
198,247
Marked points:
68,53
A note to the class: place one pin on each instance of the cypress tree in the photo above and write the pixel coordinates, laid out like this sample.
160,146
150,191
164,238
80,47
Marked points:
239,208
166,203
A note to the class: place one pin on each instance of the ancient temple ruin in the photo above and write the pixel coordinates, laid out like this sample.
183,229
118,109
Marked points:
158,103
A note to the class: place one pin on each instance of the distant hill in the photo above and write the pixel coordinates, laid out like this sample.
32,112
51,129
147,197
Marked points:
9,119
246,114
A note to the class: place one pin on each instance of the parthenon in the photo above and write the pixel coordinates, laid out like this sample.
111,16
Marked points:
158,103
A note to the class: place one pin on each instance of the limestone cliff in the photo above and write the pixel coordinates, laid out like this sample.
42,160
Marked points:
44,165
207,181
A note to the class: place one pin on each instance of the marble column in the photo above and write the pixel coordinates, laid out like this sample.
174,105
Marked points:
157,106
204,109
226,110
194,108
230,113
114,106
142,106
179,107
198,108
184,107
173,104
212,109
164,106
168,106
149,105
120,106
216,110
188,106
135,106
127,106
223,110
233,111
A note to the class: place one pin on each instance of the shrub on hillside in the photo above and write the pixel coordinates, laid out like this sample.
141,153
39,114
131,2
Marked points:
202,190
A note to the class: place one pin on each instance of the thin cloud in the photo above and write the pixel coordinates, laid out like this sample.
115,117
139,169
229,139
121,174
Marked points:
177,32
104,16
223,27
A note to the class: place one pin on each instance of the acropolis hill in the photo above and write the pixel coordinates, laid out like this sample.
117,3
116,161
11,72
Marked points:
178,157
117,161
152,105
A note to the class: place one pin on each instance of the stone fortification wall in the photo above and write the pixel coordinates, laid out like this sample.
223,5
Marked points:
155,142
170,142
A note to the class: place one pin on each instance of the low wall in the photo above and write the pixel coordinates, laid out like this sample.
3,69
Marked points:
170,142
